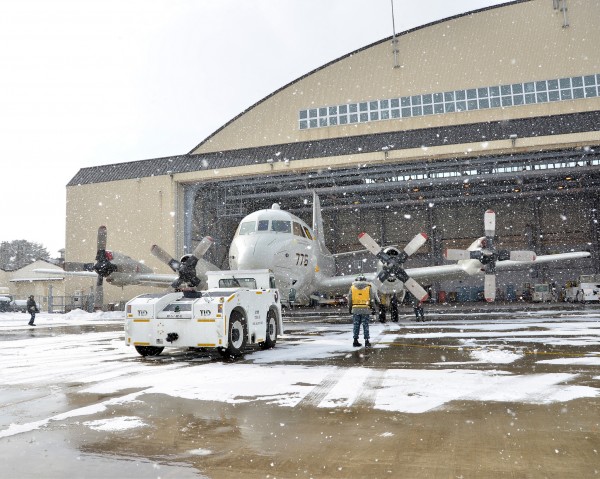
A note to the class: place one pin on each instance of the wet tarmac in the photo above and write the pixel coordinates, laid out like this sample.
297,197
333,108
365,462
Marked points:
489,395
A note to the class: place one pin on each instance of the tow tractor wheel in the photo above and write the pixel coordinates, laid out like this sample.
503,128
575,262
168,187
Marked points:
238,332
149,350
271,334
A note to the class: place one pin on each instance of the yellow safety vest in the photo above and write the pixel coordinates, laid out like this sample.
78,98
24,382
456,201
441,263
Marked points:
361,297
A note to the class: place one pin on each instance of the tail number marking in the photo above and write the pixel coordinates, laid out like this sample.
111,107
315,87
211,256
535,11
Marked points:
301,259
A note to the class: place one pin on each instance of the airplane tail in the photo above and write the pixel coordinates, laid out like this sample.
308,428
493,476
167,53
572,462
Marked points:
318,221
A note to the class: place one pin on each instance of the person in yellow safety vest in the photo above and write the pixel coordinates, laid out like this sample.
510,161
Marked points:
361,298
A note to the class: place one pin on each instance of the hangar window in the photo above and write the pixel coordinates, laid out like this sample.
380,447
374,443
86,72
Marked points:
281,226
495,96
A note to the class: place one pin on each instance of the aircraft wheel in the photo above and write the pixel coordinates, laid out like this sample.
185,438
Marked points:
238,331
149,350
271,335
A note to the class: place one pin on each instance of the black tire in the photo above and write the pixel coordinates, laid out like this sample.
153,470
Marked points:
271,333
238,332
149,350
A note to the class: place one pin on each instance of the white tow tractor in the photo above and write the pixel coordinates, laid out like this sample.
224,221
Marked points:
585,290
239,309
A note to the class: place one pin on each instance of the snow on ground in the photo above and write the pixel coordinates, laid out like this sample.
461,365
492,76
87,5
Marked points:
115,423
296,371
77,317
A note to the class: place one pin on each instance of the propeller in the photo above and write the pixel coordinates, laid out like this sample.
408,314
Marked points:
102,267
392,262
186,266
488,255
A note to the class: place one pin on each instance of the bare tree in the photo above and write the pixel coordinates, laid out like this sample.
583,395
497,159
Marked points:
19,253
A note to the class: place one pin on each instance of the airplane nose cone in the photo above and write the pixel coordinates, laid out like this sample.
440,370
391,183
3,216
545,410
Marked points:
251,253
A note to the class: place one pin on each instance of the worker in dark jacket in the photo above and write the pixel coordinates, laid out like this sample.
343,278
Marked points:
32,309
361,298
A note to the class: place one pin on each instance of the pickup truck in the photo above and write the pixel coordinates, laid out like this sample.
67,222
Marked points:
240,309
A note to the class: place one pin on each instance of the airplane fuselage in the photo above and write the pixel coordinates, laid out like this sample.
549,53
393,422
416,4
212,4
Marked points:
283,243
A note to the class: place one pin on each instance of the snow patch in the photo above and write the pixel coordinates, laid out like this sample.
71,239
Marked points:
115,424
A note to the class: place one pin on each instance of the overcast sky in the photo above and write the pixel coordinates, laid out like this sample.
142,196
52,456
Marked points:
95,82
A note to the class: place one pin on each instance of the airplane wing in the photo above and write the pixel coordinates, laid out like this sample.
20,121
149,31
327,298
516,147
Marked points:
63,273
463,269
142,278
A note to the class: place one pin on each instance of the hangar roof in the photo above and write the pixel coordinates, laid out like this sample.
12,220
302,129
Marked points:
458,134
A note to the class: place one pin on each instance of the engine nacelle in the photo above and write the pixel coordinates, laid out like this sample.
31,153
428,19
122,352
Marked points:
392,284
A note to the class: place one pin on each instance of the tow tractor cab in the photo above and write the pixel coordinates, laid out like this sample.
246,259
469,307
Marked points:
240,308
586,289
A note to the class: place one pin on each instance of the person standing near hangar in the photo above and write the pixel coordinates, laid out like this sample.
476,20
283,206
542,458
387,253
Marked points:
361,297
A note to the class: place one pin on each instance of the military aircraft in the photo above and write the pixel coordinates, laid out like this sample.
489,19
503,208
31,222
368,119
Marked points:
296,253
119,269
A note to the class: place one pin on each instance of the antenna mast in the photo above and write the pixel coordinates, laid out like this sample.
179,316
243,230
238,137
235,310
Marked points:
394,39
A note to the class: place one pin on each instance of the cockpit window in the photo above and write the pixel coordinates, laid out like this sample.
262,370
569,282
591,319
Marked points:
298,229
247,227
307,231
280,226
263,225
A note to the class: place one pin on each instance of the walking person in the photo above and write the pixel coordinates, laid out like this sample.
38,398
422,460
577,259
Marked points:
32,309
361,298
417,308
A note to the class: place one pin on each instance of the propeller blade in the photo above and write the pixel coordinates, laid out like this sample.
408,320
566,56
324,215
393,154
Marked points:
489,220
99,293
101,241
415,244
369,243
416,289
203,246
489,287
528,256
457,254
165,257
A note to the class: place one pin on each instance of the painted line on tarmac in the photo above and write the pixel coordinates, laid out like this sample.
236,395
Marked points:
463,348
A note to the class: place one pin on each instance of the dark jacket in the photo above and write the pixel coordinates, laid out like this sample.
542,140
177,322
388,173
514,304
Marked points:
31,306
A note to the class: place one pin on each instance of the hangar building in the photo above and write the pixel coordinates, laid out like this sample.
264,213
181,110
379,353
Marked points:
497,108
